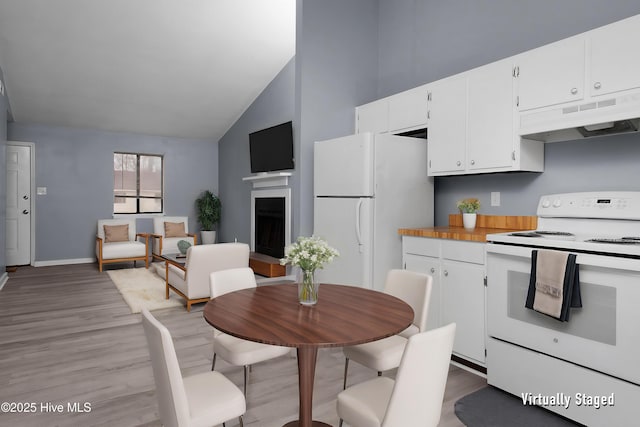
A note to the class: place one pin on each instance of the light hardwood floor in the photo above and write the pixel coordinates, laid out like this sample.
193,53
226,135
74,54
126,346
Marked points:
66,336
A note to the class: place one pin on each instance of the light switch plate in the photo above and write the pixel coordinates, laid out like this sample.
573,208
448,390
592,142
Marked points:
495,198
41,191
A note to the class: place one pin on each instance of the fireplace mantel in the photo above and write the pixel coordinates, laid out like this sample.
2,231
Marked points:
269,179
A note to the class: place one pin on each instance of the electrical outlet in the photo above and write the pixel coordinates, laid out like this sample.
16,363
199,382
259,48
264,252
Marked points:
495,198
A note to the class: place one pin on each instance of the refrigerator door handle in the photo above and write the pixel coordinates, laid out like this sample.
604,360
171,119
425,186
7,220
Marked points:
358,233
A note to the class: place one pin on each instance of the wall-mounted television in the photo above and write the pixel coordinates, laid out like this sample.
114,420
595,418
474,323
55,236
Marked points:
271,149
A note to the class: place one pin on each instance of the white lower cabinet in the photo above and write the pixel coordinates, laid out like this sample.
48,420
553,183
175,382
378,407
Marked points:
458,293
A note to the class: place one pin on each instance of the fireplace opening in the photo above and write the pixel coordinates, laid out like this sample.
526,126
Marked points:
270,226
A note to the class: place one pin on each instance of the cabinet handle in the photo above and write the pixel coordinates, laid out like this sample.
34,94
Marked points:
597,85
433,270
446,273
429,114
458,163
574,90
473,162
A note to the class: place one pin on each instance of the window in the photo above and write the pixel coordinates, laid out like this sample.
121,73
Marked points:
137,183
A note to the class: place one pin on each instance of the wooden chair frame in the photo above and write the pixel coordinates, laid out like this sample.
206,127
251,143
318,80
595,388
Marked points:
144,258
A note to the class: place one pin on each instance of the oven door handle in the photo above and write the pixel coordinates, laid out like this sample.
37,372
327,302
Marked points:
592,260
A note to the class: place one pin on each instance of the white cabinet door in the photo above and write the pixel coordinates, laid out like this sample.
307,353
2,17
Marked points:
490,107
462,296
447,125
552,74
408,110
430,266
613,65
373,117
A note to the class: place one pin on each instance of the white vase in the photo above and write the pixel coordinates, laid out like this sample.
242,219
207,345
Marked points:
469,220
208,237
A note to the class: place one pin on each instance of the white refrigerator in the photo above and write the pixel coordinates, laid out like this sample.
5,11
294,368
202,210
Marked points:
366,187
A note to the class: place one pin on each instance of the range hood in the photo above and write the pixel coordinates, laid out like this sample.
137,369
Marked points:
597,117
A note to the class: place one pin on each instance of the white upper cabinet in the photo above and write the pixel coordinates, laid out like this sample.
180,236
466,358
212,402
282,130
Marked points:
447,125
613,58
496,118
373,117
408,110
401,112
596,63
490,105
471,125
552,74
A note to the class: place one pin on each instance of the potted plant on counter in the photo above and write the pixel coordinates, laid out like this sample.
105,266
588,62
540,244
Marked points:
469,208
208,206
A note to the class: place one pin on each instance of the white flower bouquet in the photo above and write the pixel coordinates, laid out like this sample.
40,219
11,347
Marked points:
308,253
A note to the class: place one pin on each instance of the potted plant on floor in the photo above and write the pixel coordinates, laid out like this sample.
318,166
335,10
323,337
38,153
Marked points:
208,205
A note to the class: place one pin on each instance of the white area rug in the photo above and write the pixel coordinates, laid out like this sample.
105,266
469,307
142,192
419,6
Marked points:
142,288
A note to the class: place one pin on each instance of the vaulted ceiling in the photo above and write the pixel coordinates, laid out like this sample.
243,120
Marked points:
185,68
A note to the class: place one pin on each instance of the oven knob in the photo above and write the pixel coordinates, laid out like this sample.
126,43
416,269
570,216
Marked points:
557,203
546,203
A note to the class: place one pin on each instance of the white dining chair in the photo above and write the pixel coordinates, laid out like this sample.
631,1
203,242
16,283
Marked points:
385,354
415,398
206,399
237,351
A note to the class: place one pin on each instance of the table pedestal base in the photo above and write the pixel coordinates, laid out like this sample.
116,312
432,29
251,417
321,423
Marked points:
314,424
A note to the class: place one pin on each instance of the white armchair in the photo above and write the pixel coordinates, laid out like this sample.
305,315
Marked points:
117,241
167,232
192,282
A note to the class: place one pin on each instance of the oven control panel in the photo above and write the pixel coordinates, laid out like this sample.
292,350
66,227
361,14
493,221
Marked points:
605,205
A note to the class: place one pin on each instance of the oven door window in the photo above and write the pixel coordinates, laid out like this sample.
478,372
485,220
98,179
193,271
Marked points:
596,320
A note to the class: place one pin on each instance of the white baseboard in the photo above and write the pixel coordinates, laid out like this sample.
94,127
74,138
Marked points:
3,279
63,262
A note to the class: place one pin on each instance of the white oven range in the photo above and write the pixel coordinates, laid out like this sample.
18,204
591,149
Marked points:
594,358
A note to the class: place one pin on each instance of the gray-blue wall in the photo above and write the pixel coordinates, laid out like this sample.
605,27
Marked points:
4,107
423,41
76,166
275,105
349,53
336,69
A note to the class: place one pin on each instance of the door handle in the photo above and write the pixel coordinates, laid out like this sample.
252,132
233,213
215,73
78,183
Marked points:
26,212
358,233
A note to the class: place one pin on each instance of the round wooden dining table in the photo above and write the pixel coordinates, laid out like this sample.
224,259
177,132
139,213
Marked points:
343,316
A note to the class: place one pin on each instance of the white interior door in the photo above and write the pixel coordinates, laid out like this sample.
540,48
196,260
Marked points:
345,223
18,210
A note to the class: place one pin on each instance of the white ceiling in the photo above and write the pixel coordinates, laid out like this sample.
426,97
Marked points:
185,68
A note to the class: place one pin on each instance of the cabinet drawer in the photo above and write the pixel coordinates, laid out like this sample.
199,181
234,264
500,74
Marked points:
421,246
463,251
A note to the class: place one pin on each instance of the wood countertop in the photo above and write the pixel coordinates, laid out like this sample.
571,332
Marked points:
485,224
